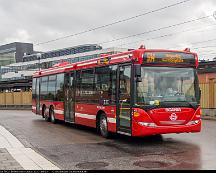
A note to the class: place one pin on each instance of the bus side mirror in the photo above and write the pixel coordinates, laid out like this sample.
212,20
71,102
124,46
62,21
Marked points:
137,69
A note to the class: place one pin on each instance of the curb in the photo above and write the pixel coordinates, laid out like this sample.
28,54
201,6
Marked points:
15,107
204,117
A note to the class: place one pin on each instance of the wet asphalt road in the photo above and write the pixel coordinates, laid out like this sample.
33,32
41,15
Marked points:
77,147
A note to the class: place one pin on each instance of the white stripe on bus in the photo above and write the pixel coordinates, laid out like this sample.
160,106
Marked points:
57,111
87,116
112,58
87,63
93,117
111,120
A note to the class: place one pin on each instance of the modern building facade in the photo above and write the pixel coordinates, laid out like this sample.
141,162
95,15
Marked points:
24,70
63,52
49,62
14,52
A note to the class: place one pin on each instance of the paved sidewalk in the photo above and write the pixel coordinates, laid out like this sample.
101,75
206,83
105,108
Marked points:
7,162
14,156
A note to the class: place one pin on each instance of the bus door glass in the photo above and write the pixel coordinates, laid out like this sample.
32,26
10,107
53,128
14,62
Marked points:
37,96
124,102
69,97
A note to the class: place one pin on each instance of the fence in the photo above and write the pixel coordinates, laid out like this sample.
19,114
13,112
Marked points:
16,99
208,95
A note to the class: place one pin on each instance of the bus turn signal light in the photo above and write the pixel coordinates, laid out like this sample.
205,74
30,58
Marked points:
136,114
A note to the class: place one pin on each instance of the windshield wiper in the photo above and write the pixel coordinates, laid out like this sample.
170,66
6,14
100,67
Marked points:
149,107
194,105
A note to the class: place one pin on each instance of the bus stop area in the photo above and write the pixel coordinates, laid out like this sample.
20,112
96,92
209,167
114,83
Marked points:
66,146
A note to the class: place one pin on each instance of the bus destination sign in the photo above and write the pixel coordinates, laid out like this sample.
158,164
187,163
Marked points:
168,58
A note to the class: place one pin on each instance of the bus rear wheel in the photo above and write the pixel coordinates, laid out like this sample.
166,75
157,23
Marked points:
46,116
103,126
43,111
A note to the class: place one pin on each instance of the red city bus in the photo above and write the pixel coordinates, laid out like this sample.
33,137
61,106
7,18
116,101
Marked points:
136,93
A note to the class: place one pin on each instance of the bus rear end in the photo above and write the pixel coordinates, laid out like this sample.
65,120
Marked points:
167,94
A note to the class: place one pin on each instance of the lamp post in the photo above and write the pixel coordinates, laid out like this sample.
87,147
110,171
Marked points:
214,15
39,57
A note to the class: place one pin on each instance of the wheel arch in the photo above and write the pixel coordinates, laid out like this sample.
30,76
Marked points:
51,107
43,109
99,113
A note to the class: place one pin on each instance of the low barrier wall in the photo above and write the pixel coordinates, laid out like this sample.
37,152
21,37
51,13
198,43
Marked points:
15,100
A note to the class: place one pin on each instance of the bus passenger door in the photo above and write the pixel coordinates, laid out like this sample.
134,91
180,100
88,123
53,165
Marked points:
37,96
69,97
124,100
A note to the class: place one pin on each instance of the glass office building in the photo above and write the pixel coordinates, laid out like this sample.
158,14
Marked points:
27,68
14,52
6,59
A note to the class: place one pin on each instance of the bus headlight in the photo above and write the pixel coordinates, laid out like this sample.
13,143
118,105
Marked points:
147,124
193,122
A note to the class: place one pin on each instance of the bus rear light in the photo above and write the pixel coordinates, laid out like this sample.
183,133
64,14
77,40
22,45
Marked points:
147,124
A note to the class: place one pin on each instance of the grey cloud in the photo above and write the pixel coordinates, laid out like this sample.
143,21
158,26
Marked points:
44,20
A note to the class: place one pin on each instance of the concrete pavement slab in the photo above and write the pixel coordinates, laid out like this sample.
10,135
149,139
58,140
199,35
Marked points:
13,155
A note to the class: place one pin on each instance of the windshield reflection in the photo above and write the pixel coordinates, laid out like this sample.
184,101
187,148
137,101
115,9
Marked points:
166,84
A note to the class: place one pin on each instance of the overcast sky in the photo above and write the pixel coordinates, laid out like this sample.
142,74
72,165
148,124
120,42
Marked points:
38,21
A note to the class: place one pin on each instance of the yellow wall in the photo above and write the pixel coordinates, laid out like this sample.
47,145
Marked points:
16,98
208,95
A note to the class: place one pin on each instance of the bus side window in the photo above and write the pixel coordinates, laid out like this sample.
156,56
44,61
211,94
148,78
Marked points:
44,83
34,88
105,82
59,87
51,92
85,86
125,76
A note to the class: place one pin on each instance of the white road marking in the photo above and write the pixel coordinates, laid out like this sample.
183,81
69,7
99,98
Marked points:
26,157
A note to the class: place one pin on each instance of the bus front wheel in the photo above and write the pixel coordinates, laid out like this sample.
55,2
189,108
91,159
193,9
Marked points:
52,116
103,126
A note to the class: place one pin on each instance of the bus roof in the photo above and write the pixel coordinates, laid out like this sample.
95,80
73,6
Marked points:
104,60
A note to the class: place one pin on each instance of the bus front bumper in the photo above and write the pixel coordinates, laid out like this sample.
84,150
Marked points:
144,130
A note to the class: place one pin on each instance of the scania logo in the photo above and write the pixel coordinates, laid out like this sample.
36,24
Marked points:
173,117
173,109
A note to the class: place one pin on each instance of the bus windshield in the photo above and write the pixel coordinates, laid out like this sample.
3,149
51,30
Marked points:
160,85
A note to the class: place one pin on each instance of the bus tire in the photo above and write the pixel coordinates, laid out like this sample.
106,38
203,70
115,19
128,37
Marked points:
52,115
46,116
103,126
43,111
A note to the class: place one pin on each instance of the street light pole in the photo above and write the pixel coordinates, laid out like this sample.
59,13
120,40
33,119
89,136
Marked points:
38,57
214,15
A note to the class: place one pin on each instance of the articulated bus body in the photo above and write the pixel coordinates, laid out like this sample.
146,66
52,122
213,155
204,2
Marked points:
137,93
